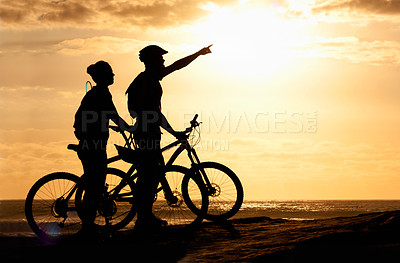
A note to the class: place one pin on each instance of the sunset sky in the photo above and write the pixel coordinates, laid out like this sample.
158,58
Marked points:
299,98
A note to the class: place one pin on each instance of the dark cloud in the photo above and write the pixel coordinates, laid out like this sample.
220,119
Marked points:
66,12
27,13
101,13
13,13
158,14
382,7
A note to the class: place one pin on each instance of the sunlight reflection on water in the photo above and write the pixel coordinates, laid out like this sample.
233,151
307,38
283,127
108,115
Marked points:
312,209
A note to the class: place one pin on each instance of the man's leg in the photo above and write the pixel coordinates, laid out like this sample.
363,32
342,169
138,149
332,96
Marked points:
151,165
146,188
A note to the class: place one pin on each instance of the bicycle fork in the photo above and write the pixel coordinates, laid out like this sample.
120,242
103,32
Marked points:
200,173
169,195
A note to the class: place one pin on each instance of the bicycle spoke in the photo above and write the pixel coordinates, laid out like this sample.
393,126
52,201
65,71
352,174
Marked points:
225,191
117,206
48,213
179,212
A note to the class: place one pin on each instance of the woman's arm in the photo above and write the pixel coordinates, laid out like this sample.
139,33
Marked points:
181,63
121,123
114,116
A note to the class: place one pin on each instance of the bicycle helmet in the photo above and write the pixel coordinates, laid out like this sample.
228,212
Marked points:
150,52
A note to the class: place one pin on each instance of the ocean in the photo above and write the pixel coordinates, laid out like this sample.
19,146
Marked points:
13,222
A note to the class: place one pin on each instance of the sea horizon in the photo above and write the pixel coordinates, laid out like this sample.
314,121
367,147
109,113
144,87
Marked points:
13,221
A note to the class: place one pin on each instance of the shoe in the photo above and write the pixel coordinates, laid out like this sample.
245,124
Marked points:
150,224
89,235
158,221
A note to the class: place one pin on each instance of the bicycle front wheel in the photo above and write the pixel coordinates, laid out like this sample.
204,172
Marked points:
186,190
225,191
50,206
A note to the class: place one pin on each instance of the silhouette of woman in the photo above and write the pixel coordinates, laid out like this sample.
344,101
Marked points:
91,129
144,104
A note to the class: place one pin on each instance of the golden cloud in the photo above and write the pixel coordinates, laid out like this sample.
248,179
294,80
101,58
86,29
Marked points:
388,7
351,49
27,14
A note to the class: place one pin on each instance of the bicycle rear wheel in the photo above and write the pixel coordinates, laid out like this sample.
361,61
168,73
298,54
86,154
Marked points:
116,207
179,212
50,206
226,191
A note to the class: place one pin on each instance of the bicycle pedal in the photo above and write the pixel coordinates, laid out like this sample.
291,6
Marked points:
172,199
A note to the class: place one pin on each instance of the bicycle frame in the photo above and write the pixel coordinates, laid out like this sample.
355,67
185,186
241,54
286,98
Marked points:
183,145
192,155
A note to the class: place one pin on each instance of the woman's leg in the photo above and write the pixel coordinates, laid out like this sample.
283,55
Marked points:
94,165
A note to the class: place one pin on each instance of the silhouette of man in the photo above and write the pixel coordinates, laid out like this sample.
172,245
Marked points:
91,129
144,104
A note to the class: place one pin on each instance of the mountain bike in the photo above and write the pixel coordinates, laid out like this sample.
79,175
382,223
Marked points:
206,190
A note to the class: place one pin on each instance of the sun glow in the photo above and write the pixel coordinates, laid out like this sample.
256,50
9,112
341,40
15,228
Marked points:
250,40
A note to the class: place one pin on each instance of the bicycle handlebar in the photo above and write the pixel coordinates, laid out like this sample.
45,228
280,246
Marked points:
193,123
114,128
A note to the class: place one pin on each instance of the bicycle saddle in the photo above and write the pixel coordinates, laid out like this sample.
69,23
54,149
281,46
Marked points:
73,147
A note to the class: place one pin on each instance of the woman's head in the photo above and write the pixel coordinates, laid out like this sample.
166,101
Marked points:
101,73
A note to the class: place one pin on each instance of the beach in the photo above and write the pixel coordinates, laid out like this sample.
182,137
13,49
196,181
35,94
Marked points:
372,237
